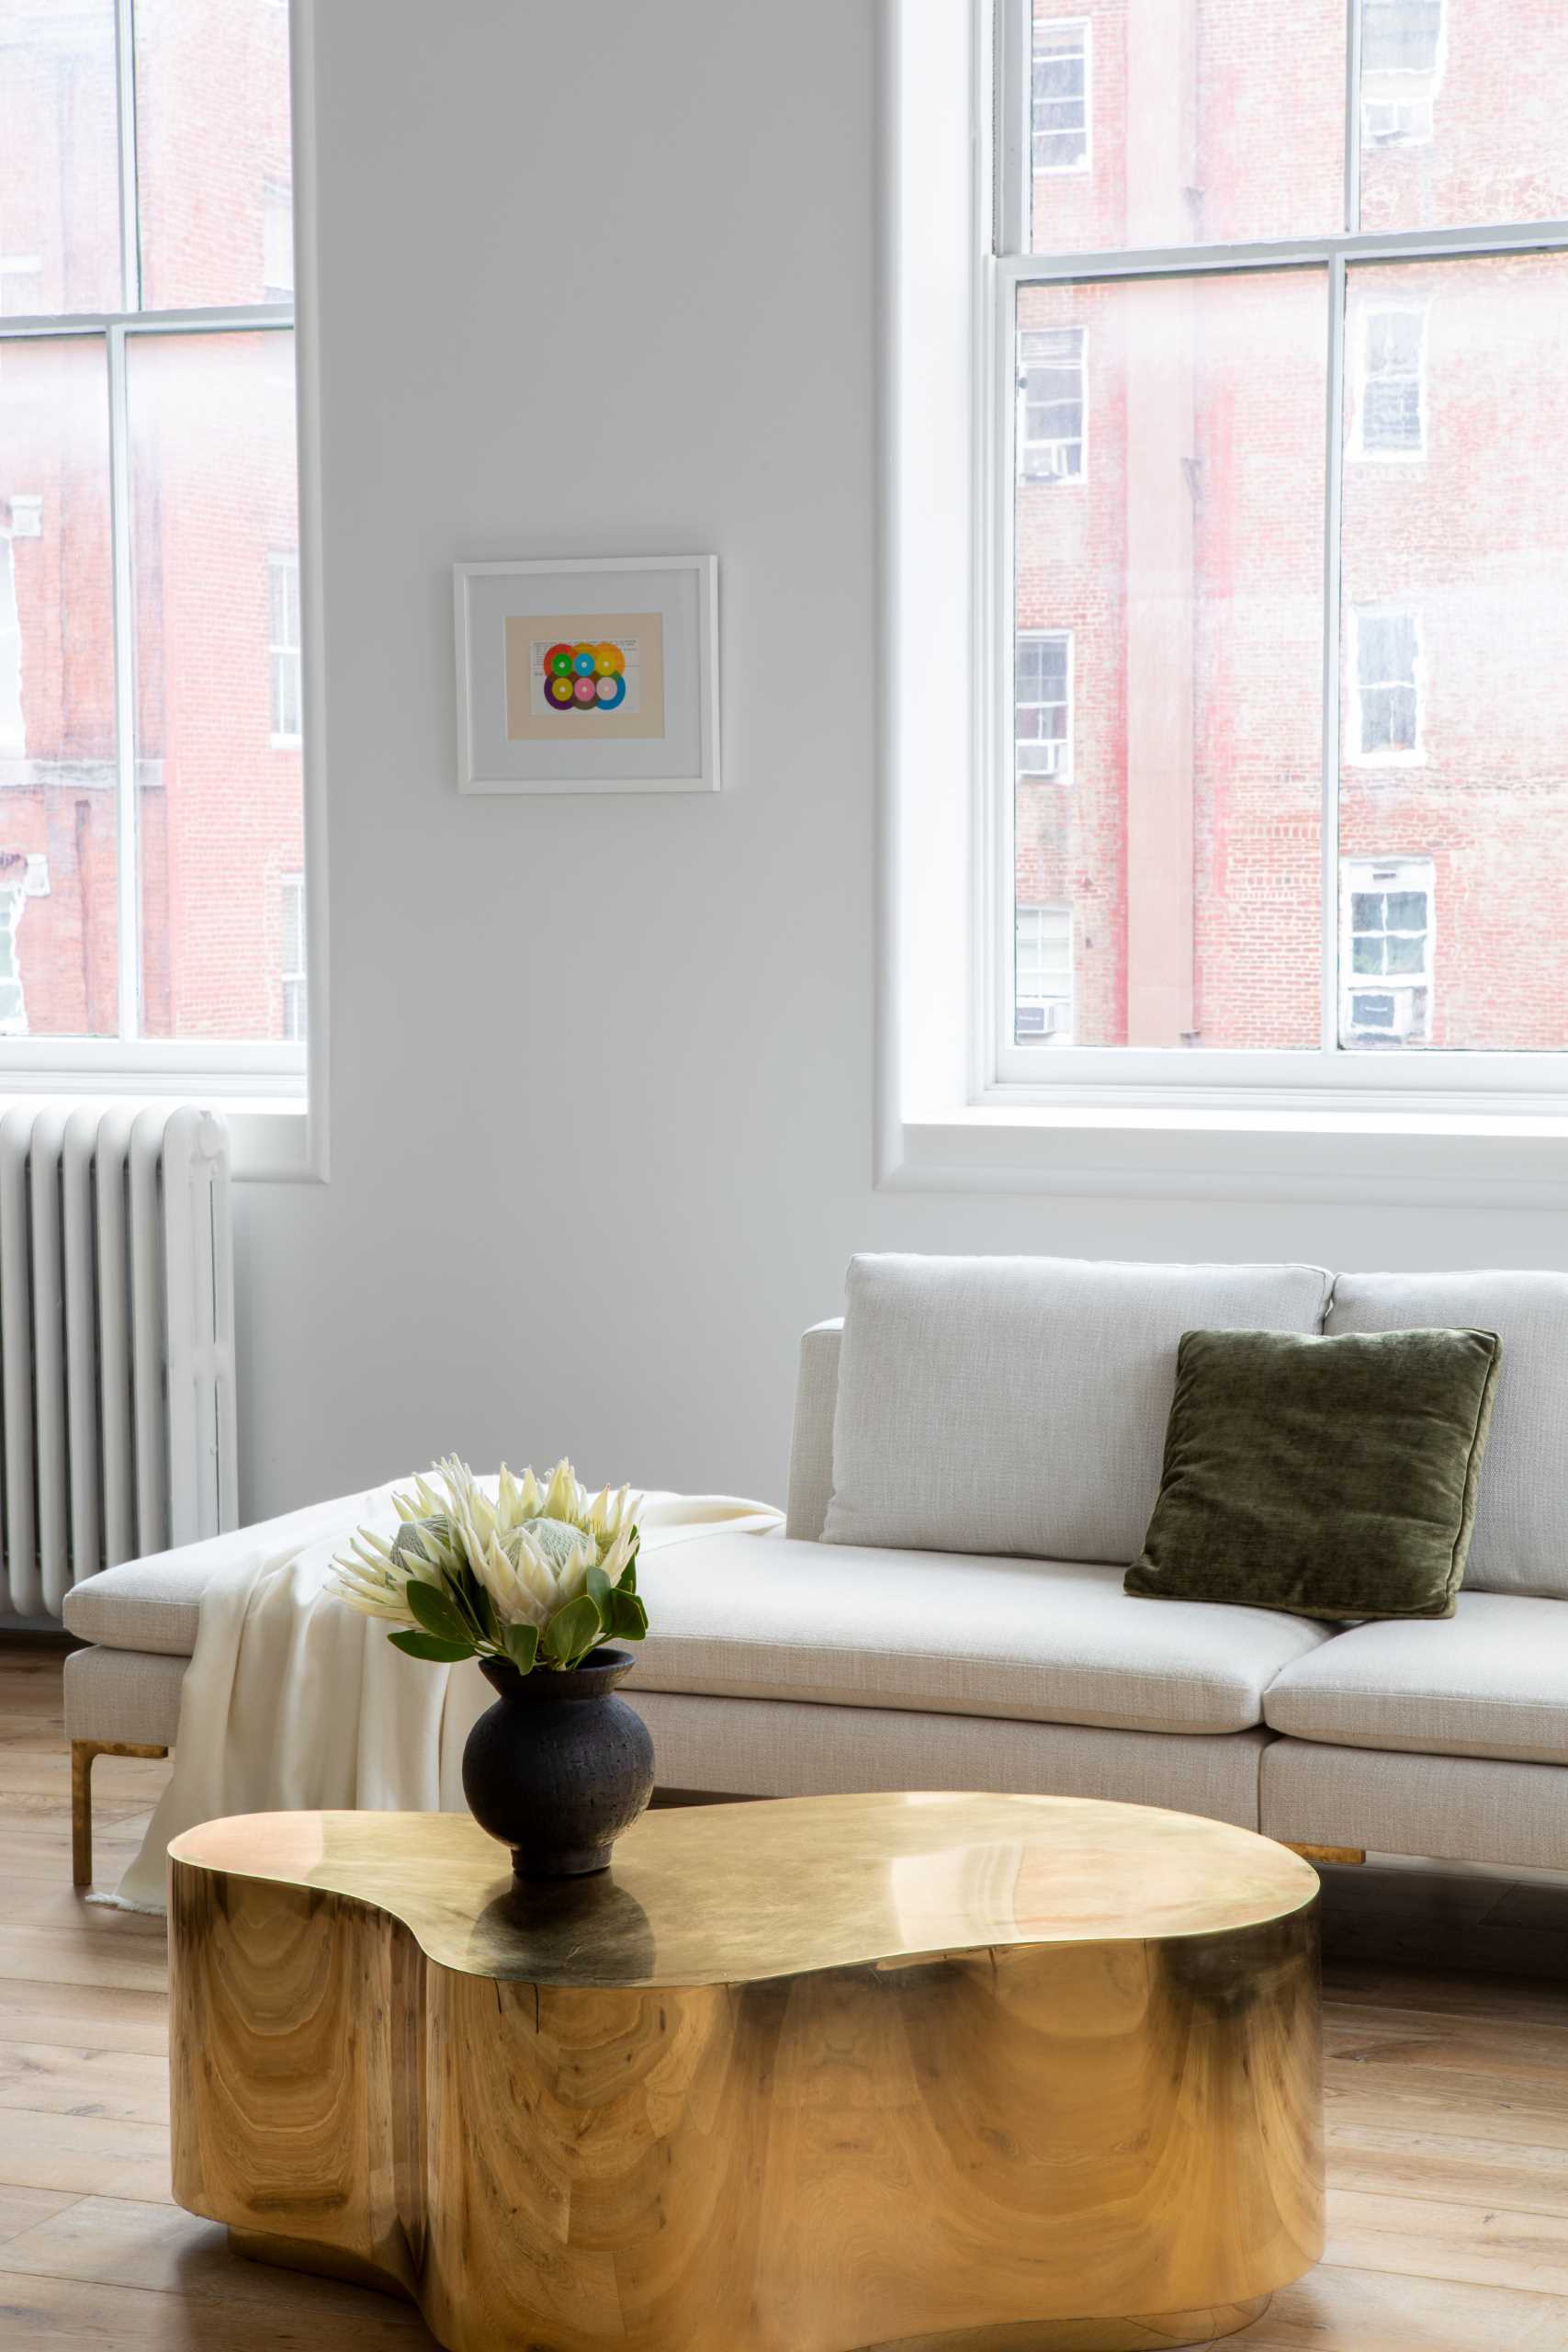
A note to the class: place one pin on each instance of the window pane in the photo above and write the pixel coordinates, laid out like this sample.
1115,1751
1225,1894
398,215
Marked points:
212,149
1462,109
58,151
1471,540
1185,122
58,857
217,677
1189,573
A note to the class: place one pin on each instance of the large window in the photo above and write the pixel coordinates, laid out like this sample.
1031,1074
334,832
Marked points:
1303,698
151,691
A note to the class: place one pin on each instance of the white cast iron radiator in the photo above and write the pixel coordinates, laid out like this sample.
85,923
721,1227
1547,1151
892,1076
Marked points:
116,1341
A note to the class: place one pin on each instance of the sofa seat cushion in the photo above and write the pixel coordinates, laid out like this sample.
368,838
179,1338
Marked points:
1490,1680
155,1604
1036,1641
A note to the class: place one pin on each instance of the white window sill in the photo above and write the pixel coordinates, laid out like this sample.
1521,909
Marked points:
270,1136
1457,1157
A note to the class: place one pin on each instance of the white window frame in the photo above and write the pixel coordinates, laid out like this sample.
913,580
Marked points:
1084,26
1063,772
1000,1072
1397,755
1061,1035
1362,875
255,1082
285,653
1376,452
1051,478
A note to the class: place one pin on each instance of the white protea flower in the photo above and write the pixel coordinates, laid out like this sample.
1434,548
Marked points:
483,1567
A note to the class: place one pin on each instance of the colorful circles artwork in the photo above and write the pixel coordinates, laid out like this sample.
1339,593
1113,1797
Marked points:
585,677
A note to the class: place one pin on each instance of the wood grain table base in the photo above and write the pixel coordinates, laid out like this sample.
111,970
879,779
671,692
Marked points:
917,2074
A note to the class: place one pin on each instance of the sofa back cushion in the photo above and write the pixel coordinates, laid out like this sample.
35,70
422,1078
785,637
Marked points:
1521,1538
1019,1405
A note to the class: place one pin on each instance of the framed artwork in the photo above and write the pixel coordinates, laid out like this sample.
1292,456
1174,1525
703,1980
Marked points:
588,675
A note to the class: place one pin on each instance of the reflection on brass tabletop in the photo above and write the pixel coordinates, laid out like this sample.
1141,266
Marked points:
933,2074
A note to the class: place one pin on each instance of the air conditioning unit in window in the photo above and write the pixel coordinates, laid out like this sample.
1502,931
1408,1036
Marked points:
1050,1020
1050,460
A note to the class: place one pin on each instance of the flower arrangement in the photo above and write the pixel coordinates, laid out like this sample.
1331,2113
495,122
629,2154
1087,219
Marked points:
538,1578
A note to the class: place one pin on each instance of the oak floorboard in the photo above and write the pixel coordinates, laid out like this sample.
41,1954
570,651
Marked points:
1341,2310
1424,2238
129,2086
97,2017
92,2156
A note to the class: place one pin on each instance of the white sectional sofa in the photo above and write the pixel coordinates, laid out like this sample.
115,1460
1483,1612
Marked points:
1026,1399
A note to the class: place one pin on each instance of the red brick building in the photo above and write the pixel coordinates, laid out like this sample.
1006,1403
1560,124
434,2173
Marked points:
211,653
1170,537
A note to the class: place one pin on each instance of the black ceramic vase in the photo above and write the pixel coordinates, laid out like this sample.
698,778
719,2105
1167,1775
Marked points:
560,1765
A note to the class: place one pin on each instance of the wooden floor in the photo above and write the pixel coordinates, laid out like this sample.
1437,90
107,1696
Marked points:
1448,2109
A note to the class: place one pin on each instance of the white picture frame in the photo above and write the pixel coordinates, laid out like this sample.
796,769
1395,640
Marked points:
657,617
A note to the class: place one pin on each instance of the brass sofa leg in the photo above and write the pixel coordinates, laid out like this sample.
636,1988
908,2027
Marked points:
1330,1853
82,1752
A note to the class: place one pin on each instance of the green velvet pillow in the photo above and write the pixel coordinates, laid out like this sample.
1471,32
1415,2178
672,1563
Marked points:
1329,1477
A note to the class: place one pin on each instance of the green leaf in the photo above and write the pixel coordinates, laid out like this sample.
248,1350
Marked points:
437,1612
627,1617
572,1631
597,1587
522,1643
417,1645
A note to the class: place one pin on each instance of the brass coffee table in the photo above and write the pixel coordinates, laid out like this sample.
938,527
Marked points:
970,2073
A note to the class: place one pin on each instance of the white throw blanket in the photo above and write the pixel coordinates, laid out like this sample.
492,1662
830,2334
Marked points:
294,1701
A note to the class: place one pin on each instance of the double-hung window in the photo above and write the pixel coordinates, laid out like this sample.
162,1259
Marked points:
1059,95
1301,700
1042,704
1051,404
151,695
1402,49
1394,414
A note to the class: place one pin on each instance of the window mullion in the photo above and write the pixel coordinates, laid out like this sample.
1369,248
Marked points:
1333,639
128,924
1352,117
1012,175
125,88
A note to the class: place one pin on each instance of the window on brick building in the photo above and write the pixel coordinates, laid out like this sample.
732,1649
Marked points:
1051,403
284,652
1388,685
294,1006
1402,44
1042,703
152,700
1043,955
1394,418
1059,96
1386,963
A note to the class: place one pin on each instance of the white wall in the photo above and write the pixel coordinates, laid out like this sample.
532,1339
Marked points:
604,283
